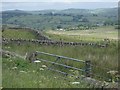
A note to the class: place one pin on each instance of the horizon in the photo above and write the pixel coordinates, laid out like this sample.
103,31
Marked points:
55,9
26,6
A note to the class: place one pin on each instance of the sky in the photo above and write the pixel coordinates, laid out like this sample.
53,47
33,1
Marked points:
57,4
60,0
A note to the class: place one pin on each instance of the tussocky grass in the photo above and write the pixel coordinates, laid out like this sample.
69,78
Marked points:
30,75
99,57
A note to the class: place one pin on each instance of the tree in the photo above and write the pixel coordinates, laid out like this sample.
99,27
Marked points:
59,26
85,20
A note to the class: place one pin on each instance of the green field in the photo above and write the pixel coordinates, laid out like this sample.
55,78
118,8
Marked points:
85,35
18,73
101,57
66,19
19,33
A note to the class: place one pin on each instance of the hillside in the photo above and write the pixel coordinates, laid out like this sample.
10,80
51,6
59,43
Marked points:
71,48
56,19
34,75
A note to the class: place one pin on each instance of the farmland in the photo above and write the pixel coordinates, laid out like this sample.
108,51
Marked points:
18,34
71,48
98,56
67,19
86,35
32,76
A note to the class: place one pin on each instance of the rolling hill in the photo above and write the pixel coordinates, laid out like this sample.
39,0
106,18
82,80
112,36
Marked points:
55,19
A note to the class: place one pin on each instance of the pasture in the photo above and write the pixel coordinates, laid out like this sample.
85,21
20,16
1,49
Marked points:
18,73
100,57
84,35
18,33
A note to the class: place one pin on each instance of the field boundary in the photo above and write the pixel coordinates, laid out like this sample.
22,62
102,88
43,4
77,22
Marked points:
51,42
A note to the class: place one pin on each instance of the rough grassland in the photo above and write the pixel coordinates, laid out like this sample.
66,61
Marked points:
102,57
9,33
18,73
85,35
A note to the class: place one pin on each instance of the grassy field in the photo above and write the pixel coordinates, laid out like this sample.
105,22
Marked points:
19,33
18,73
84,35
93,53
100,57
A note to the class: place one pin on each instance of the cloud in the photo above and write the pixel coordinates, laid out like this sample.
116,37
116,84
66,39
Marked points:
65,1
56,5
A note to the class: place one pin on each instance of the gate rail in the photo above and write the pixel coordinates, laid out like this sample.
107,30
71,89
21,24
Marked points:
87,63
87,68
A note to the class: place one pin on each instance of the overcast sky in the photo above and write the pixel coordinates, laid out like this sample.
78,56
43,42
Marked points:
57,4
60,0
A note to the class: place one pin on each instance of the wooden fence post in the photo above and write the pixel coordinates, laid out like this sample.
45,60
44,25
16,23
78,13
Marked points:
87,68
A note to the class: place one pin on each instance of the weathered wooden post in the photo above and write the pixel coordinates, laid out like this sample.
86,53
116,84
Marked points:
35,56
87,68
31,56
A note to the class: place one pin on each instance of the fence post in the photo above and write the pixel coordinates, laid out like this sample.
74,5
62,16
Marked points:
33,56
87,68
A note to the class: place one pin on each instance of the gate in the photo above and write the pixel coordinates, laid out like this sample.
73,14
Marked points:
63,63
